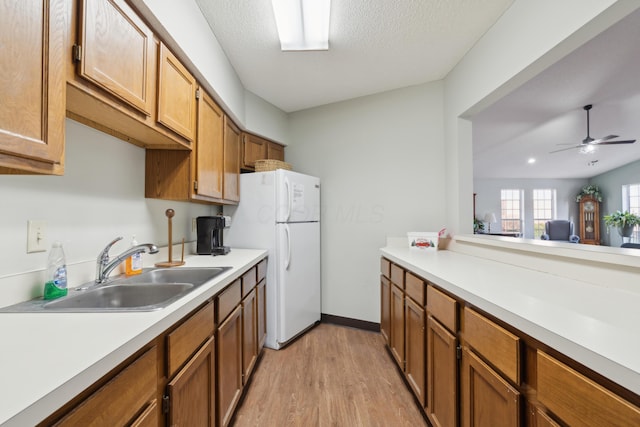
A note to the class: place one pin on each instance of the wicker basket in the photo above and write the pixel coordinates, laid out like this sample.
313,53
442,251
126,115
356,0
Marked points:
266,165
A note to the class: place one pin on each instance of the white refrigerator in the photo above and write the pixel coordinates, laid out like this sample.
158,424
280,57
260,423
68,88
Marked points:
280,211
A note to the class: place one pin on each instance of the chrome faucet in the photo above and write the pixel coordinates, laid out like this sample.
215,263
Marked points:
104,265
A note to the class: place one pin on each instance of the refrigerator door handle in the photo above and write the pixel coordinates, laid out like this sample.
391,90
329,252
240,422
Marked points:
288,261
288,192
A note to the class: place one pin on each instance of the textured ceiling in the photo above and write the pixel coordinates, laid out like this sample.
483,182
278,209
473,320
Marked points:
547,111
374,46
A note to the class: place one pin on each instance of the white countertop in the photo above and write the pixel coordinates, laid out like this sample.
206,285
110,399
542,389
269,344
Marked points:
48,358
595,325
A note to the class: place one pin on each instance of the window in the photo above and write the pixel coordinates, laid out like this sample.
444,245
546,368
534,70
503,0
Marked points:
544,209
511,211
631,203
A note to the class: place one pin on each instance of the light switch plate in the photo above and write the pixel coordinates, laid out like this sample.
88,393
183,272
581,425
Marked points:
36,236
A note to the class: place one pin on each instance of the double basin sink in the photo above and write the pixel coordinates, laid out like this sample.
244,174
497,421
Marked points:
150,290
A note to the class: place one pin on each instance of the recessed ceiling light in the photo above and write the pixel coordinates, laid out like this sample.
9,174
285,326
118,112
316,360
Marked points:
531,160
588,149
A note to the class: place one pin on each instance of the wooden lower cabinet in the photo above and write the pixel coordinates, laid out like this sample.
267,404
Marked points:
192,392
415,345
190,375
249,334
229,366
538,418
487,400
119,401
577,400
385,308
468,368
396,340
442,375
261,295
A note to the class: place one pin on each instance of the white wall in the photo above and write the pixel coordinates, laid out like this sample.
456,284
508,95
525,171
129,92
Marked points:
100,197
264,119
488,199
380,161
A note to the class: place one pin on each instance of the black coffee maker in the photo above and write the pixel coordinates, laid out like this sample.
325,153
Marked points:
209,229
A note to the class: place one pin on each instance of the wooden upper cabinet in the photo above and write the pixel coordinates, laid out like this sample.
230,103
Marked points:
32,86
253,148
115,52
275,151
231,190
176,95
209,149
112,67
257,148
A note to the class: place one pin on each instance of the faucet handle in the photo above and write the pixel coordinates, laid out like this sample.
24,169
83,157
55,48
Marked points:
105,251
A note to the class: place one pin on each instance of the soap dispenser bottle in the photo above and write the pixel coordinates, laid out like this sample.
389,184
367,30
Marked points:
56,282
133,264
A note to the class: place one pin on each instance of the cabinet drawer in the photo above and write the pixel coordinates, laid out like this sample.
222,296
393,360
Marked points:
577,400
385,267
443,308
119,400
228,300
149,417
497,345
414,287
397,276
186,338
248,281
262,270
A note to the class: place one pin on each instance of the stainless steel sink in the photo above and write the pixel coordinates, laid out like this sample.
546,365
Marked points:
192,275
151,290
141,296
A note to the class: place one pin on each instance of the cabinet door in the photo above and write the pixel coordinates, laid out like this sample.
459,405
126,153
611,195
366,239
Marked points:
396,340
229,369
415,348
487,399
249,335
385,308
275,151
253,148
231,191
176,95
116,52
442,375
262,313
32,85
192,391
120,399
209,149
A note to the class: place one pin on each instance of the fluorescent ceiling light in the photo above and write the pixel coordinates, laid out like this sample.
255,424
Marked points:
302,24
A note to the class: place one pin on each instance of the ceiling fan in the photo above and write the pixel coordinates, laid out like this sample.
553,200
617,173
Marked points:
590,142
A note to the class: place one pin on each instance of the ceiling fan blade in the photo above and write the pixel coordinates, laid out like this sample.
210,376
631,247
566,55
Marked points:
600,140
565,149
626,141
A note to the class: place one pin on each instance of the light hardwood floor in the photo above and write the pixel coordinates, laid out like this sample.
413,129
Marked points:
332,376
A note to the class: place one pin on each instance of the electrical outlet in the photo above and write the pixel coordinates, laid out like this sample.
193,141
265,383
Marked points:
36,236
